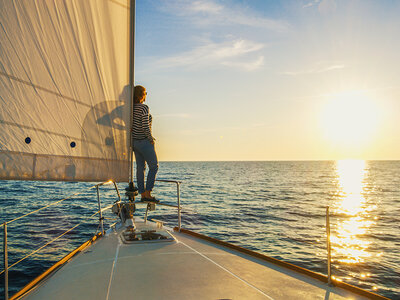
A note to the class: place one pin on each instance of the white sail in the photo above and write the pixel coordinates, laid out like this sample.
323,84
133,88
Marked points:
64,96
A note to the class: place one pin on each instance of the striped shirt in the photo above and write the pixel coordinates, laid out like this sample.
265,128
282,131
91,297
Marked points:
142,120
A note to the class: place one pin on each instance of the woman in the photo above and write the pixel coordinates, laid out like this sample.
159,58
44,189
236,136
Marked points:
143,144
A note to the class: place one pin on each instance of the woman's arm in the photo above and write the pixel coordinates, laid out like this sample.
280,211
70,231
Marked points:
146,125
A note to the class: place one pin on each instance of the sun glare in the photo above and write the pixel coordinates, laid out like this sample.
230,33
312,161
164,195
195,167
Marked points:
355,221
349,119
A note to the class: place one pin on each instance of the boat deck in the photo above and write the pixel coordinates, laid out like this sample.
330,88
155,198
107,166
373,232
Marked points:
182,268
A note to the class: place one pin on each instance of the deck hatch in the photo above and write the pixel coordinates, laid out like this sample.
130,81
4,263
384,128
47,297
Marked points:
131,235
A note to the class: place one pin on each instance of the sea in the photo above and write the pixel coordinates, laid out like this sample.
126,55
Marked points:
277,208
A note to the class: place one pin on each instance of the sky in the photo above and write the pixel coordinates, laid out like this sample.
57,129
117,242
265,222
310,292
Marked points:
271,80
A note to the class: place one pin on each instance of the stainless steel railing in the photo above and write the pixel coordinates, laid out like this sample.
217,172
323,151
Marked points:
5,241
178,206
328,246
100,211
5,263
101,225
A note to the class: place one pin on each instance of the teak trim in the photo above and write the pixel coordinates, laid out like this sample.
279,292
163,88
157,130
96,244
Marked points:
53,268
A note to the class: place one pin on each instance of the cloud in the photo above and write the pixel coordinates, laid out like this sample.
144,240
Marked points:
247,66
315,70
227,130
308,5
311,4
175,116
327,7
205,6
211,12
190,8
234,53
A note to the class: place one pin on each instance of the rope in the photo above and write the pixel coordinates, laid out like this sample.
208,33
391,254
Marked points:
97,229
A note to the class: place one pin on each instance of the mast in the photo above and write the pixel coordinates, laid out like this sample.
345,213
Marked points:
131,83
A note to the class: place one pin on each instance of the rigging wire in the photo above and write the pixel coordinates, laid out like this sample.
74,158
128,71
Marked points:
59,201
48,243
52,204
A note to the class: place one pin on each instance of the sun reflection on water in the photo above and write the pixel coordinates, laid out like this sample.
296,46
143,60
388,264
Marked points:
354,214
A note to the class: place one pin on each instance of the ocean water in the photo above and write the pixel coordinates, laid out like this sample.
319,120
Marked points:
275,208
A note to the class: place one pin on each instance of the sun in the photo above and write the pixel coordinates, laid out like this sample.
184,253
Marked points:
349,119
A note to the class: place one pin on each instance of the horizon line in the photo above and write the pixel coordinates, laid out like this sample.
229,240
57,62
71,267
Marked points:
281,160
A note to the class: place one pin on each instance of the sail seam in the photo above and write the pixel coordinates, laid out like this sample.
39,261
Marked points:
42,130
63,156
43,89
50,91
50,132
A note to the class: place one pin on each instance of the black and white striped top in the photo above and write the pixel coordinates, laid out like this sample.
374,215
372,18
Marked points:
142,120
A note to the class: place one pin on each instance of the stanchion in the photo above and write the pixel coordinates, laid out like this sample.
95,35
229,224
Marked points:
328,245
179,205
5,263
101,214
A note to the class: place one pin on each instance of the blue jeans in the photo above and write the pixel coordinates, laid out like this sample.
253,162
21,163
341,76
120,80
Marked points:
145,152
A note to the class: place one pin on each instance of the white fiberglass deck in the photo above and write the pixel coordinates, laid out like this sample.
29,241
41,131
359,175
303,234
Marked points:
187,268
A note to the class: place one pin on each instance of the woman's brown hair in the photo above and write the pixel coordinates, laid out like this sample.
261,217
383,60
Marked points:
138,93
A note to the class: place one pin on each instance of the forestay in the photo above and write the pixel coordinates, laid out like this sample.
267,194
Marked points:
64,90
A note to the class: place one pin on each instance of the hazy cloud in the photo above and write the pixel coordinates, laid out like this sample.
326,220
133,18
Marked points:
218,54
327,7
324,6
224,129
308,5
316,70
205,6
212,12
177,116
311,3
247,66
